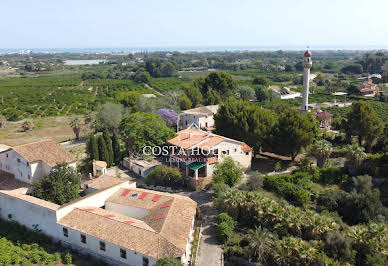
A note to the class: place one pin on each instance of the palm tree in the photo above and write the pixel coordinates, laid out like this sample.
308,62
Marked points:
27,125
2,121
321,151
95,125
76,125
260,241
233,200
355,154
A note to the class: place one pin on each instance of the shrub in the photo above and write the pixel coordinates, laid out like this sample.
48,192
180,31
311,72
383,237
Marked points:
224,232
68,259
225,218
301,197
339,247
332,175
228,172
163,175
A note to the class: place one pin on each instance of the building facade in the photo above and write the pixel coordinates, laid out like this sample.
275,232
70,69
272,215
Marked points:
307,65
202,117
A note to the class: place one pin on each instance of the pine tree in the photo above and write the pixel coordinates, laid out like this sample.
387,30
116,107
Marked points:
92,148
102,150
116,148
108,143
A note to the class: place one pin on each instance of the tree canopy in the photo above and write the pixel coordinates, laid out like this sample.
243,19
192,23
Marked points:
144,129
110,115
228,172
62,185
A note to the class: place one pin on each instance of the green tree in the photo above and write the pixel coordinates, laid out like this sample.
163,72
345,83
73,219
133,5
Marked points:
62,185
245,122
194,94
129,99
92,148
142,77
108,143
144,129
352,69
116,148
260,242
76,126
27,125
261,81
102,149
212,97
263,94
292,133
184,102
164,175
169,261
321,151
363,122
110,115
244,92
168,69
219,81
228,172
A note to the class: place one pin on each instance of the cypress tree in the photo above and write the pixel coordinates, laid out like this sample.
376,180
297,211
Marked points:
92,148
108,143
116,148
102,150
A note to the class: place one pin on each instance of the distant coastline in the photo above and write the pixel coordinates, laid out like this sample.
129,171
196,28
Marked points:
190,49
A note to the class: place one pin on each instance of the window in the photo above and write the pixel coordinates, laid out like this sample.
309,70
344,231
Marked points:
102,246
29,177
10,216
235,149
123,253
83,239
6,155
28,164
246,153
145,261
65,232
19,160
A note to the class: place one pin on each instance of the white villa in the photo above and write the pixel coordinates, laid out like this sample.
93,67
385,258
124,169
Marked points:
32,161
197,151
202,117
116,222
284,93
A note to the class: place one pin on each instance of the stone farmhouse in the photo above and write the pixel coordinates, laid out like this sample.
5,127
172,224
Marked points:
115,222
202,117
31,161
284,93
368,88
196,152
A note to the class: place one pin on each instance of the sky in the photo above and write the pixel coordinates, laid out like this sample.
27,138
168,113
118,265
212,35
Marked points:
180,23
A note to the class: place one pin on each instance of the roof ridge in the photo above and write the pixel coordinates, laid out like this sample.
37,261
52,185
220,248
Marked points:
35,142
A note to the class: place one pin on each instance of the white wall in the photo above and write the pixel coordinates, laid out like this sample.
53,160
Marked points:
28,214
235,151
188,119
10,164
92,246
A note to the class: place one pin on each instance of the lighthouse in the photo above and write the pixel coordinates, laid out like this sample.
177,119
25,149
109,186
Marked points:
307,64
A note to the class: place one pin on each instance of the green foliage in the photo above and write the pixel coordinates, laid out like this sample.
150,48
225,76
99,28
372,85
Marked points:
242,121
254,182
170,261
245,93
163,175
128,98
225,227
144,129
363,122
92,148
60,186
194,94
228,172
292,133
219,81
261,81
109,147
116,149
102,149
110,115
184,102
212,97
352,69
142,77
68,259
321,151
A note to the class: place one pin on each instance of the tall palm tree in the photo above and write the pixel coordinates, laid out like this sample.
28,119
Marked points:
321,151
76,125
355,155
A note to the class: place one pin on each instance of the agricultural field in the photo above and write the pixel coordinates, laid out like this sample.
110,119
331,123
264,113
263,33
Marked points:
28,98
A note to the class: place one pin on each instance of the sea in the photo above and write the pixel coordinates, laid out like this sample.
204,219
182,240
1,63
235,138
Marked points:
187,49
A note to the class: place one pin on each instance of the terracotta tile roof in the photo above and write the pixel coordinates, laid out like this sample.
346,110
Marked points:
190,138
47,151
323,115
203,110
105,181
164,231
